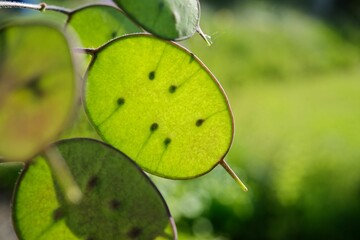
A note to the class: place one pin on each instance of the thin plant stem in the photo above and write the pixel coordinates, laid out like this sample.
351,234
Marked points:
90,51
40,7
63,175
233,175
206,37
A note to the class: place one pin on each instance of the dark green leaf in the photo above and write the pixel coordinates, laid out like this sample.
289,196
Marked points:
119,200
169,19
9,173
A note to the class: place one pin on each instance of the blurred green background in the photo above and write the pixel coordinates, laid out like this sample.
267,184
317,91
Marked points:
291,70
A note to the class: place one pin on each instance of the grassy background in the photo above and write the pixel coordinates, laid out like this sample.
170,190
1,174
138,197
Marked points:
294,86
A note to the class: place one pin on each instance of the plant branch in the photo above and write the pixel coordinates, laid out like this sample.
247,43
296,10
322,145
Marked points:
40,7
206,37
63,175
90,51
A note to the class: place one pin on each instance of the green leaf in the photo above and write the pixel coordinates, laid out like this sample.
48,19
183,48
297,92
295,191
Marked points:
119,202
160,105
97,24
9,173
37,88
169,19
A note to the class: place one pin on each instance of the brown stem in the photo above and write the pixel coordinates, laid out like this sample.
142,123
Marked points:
40,7
233,175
